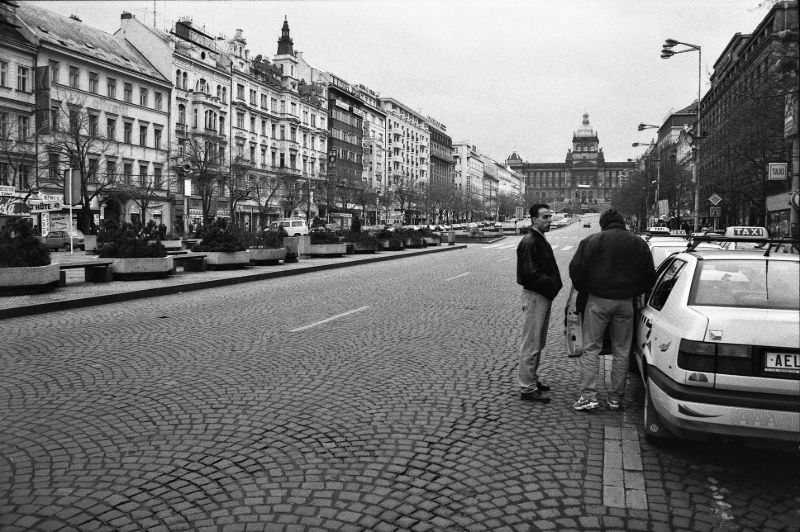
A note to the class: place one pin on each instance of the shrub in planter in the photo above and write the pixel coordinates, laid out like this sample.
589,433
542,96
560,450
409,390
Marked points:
19,248
324,237
220,236
128,241
396,242
269,238
362,240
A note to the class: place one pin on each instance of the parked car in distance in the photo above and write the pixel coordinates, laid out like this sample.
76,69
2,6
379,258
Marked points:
60,239
716,346
293,226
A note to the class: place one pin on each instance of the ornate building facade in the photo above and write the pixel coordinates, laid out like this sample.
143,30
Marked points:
582,182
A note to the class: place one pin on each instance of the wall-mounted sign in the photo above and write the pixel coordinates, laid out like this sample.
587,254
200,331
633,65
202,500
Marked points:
776,172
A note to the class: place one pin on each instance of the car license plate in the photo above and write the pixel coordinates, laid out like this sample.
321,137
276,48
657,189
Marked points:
782,362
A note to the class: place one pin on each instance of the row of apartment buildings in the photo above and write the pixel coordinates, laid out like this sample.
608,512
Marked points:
182,126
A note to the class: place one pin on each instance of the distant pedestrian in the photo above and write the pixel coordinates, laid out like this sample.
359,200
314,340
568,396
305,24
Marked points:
609,269
538,274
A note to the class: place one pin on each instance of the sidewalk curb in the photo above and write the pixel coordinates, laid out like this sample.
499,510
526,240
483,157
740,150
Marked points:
91,301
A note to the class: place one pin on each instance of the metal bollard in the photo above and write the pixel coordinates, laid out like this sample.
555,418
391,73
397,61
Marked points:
451,238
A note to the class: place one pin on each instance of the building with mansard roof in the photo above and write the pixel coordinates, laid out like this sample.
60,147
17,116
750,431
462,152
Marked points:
103,91
583,182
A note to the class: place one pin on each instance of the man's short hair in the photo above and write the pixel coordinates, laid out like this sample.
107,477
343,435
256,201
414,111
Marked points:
610,216
534,212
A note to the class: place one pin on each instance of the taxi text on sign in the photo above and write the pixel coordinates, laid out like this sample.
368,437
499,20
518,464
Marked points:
749,231
776,172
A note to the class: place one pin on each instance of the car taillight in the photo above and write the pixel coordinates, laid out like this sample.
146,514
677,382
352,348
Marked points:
734,359
730,359
697,356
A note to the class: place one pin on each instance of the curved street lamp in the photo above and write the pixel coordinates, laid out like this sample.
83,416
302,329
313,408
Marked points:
667,52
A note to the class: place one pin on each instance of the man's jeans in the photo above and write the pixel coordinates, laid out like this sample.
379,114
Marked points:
536,309
617,316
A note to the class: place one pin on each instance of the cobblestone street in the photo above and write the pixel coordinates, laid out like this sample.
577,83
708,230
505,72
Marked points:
378,397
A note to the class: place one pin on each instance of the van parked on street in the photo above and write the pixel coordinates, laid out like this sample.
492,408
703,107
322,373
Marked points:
293,226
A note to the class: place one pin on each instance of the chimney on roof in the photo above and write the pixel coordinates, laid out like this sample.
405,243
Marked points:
75,17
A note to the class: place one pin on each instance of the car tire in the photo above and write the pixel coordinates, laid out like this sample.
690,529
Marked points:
65,247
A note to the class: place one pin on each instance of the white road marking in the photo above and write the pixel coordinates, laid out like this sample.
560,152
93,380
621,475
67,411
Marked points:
457,276
492,246
508,246
566,248
554,247
507,258
304,327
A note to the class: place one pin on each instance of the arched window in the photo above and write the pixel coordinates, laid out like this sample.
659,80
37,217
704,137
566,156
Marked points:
177,79
194,123
219,91
181,114
224,94
185,80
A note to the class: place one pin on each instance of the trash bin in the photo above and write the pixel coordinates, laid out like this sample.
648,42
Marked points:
451,238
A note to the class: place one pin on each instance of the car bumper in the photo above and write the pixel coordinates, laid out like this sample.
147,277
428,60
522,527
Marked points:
693,412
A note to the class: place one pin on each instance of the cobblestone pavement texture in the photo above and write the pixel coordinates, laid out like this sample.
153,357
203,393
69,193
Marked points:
202,411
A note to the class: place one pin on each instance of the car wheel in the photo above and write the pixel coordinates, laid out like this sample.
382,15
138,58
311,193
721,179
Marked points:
65,247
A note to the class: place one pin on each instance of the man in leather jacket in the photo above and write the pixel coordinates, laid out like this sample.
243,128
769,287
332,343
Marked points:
538,274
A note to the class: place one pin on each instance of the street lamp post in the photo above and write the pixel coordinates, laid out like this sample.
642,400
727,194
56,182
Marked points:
667,52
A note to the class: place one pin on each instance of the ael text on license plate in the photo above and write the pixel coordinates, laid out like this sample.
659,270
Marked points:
783,362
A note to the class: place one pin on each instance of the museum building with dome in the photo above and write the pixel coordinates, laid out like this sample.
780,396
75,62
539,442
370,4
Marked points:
583,182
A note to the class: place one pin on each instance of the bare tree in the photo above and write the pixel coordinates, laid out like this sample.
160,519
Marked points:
17,151
241,184
265,191
76,140
199,160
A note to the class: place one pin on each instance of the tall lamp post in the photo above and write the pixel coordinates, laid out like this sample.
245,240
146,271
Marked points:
667,52
658,172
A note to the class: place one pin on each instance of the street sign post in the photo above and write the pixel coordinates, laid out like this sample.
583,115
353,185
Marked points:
715,199
715,212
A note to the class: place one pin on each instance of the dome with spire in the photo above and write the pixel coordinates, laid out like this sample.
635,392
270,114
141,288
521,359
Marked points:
586,130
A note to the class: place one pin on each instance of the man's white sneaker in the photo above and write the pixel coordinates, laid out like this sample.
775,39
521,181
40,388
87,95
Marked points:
586,404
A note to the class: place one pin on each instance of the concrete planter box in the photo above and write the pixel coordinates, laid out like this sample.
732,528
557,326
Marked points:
89,242
327,250
142,268
29,279
221,260
292,245
172,245
266,255
362,247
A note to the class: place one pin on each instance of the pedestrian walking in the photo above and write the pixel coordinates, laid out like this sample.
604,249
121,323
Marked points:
609,269
538,274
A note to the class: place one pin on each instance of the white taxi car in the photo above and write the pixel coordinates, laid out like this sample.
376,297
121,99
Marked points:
717,345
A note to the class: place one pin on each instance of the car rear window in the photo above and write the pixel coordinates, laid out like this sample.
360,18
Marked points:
747,284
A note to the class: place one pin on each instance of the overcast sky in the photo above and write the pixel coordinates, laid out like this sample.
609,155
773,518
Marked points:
505,75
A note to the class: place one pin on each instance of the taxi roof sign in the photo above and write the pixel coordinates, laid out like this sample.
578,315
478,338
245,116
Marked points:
658,229
742,231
